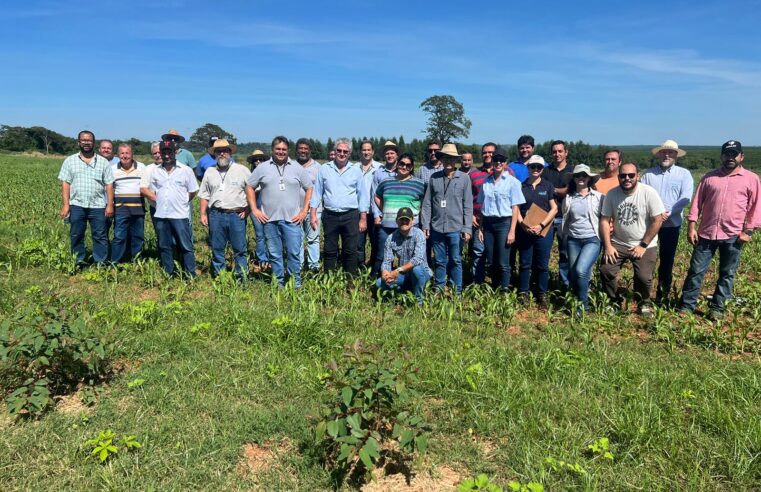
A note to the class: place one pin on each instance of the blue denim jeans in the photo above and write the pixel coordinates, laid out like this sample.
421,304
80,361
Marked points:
129,235
79,218
280,234
414,280
448,259
582,256
224,229
175,234
668,240
261,243
363,237
729,259
497,250
383,234
312,239
534,259
563,262
478,258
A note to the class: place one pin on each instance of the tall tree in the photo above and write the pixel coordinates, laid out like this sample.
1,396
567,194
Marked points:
199,141
446,119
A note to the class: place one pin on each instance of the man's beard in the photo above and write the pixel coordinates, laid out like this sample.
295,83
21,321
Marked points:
223,162
668,162
302,160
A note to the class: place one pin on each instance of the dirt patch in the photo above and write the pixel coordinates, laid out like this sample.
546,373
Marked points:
72,405
259,458
440,479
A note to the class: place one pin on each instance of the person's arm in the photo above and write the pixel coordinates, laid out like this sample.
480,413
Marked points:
467,212
66,196
561,193
148,193
513,223
610,254
425,212
299,217
753,216
109,200
378,202
204,209
655,225
388,261
685,193
696,209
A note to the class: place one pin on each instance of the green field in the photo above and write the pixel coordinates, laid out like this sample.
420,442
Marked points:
221,382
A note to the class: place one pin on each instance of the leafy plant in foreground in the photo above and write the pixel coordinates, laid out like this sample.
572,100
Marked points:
106,444
483,483
368,421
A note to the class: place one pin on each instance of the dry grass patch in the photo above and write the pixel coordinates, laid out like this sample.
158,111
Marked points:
260,458
440,478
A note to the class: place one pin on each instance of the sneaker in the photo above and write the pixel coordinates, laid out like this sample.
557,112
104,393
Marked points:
646,311
715,315
541,300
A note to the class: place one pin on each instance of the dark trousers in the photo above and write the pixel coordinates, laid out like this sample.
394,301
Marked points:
79,218
129,237
534,259
176,233
382,233
343,225
497,250
368,235
643,273
668,240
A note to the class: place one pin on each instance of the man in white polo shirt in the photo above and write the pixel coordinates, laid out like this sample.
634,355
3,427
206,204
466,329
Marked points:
173,186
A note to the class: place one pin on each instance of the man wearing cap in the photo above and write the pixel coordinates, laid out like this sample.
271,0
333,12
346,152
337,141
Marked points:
262,260
369,166
727,205
609,177
285,189
311,233
406,246
173,186
635,212
559,174
207,160
433,164
183,156
674,185
340,189
446,217
129,210
224,207
387,171
477,178
525,151
88,198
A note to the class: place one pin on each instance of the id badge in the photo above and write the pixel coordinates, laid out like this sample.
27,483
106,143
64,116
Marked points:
443,204
282,187
221,187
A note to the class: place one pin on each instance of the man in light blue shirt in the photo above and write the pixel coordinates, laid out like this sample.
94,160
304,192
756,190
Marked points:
340,189
674,185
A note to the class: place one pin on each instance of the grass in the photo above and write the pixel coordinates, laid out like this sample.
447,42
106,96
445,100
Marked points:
505,387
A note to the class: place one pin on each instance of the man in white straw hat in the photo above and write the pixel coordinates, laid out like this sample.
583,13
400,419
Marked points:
674,185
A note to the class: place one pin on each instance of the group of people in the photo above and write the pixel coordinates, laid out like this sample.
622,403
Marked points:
416,223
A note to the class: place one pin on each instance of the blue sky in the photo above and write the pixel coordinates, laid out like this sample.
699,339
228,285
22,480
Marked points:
602,72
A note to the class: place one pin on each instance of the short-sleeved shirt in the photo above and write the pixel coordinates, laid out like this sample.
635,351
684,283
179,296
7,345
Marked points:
204,163
225,189
380,175
498,196
184,156
632,214
425,171
559,179
477,179
172,191
395,194
87,181
519,170
313,169
604,185
127,197
145,180
541,195
282,188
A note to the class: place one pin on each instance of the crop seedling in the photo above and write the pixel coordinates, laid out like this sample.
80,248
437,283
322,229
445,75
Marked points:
601,447
106,445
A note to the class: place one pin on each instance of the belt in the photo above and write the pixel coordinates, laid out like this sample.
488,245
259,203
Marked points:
229,210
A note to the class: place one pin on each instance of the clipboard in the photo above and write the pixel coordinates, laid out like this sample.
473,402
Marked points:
535,216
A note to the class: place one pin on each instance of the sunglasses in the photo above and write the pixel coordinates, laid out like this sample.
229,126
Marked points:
341,151
222,151
405,164
535,167
580,175
627,175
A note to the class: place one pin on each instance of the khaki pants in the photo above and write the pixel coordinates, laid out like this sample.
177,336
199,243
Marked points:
643,272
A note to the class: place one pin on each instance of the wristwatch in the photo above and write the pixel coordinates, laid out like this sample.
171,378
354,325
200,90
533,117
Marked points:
399,270
643,244
749,232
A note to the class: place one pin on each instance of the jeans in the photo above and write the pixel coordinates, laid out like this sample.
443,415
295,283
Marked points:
497,250
129,233
446,250
563,262
280,233
79,218
261,243
582,256
383,234
343,225
175,234
534,258
668,239
414,280
313,243
643,273
729,259
362,242
227,228
477,250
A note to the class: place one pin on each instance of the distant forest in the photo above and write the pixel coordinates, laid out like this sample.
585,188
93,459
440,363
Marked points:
46,141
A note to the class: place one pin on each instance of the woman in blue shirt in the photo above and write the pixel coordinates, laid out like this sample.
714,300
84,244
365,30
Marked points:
500,196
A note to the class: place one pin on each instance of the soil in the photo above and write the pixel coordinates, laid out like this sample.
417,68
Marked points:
440,479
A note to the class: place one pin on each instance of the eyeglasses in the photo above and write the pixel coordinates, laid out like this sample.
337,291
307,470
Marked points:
341,151
221,151
499,161
580,175
433,151
405,164
535,167
627,175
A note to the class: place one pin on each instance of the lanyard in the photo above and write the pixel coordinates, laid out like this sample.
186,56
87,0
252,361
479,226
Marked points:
447,183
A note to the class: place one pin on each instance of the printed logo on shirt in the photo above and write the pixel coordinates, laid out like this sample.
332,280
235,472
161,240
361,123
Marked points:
628,213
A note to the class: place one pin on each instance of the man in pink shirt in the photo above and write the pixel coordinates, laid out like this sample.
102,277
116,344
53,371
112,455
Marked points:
727,203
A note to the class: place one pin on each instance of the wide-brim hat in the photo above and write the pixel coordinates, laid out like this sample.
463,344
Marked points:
670,145
448,150
582,168
173,135
257,154
390,145
221,143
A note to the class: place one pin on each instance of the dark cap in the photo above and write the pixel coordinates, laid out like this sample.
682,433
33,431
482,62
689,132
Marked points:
212,140
501,153
405,213
732,146
167,145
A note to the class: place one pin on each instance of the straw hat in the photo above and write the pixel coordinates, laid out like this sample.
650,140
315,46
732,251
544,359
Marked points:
670,145
582,168
448,150
222,143
390,145
257,154
173,135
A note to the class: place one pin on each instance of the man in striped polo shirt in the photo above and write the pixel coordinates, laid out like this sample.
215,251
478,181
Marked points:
129,212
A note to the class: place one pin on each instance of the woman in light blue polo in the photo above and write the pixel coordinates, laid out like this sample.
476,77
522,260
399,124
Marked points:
500,197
